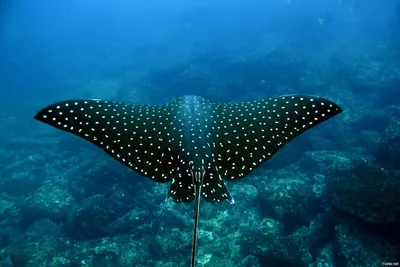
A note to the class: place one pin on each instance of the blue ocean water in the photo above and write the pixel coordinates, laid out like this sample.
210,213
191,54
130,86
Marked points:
328,198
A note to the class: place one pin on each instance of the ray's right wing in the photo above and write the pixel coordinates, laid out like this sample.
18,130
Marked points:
250,133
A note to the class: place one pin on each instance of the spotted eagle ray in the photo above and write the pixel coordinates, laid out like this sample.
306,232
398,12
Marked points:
192,142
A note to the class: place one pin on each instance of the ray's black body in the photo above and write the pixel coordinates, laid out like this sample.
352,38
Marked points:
190,141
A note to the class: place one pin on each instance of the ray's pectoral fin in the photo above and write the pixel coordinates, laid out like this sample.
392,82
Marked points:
135,135
182,188
214,188
257,130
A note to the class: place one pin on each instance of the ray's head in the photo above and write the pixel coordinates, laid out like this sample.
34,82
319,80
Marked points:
193,130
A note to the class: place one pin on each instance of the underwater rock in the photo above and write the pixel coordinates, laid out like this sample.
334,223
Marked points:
91,217
324,161
250,261
6,261
118,250
50,201
171,243
38,245
104,176
5,208
173,216
388,154
295,247
325,256
20,179
261,240
105,259
290,200
245,193
365,76
369,141
136,220
367,191
4,241
224,242
212,260
372,120
274,249
357,248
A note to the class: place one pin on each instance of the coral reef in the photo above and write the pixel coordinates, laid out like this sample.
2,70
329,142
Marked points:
388,151
367,191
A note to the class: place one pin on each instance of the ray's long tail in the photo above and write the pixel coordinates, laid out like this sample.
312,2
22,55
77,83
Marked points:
196,222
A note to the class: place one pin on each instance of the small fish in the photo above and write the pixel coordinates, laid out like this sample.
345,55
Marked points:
193,143
320,21
326,18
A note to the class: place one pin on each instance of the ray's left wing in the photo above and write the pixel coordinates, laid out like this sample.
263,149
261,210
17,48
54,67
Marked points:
250,133
135,135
